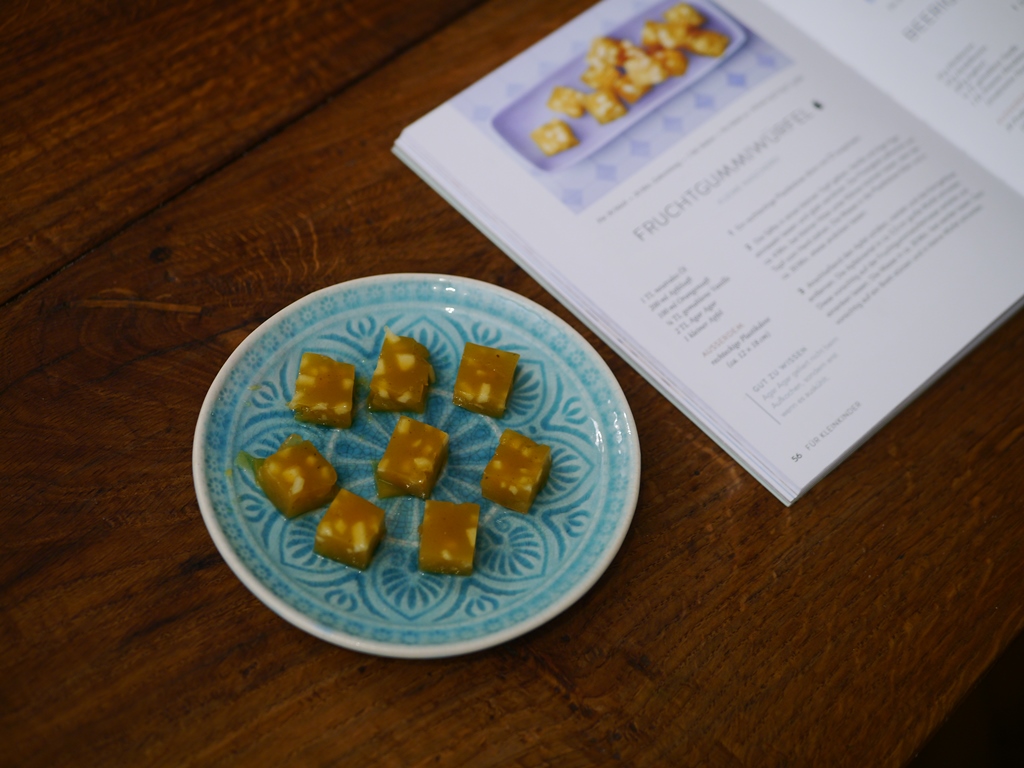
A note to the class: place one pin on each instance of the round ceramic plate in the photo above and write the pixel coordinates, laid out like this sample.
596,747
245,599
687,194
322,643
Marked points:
527,569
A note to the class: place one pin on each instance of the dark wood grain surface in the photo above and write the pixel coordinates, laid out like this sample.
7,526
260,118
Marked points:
172,175
110,109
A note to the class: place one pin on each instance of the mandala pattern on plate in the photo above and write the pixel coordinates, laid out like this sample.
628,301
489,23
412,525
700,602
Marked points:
524,563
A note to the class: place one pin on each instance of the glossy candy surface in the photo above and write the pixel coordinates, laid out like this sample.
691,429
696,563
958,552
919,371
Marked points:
402,375
323,391
517,472
485,379
350,530
448,537
412,461
296,478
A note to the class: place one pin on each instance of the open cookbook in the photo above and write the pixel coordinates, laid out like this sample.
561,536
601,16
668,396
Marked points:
790,216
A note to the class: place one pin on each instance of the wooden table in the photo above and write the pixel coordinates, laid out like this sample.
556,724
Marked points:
171,174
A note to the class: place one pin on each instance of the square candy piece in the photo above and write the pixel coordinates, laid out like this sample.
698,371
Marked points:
413,460
484,379
604,105
296,478
643,69
448,537
629,91
674,63
323,391
684,13
706,42
517,472
554,137
350,530
568,101
672,34
599,76
605,51
402,375
649,38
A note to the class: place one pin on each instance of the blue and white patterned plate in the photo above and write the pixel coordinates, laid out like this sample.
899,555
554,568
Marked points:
528,568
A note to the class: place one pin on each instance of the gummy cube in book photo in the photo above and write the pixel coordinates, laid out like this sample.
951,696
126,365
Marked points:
600,98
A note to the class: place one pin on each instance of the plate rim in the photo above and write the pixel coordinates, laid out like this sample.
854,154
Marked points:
308,624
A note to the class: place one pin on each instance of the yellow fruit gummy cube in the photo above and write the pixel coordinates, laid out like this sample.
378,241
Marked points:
605,51
684,13
296,478
323,391
629,91
412,461
402,375
643,69
568,101
649,38
554,137
672,34
448,537
517,472
674,63
706,42
350,530
604,105
600,76
484,379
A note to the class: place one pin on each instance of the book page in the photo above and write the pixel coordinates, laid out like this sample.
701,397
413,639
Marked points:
781,249
957,64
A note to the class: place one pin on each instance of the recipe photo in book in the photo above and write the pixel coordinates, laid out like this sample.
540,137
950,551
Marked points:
783,249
